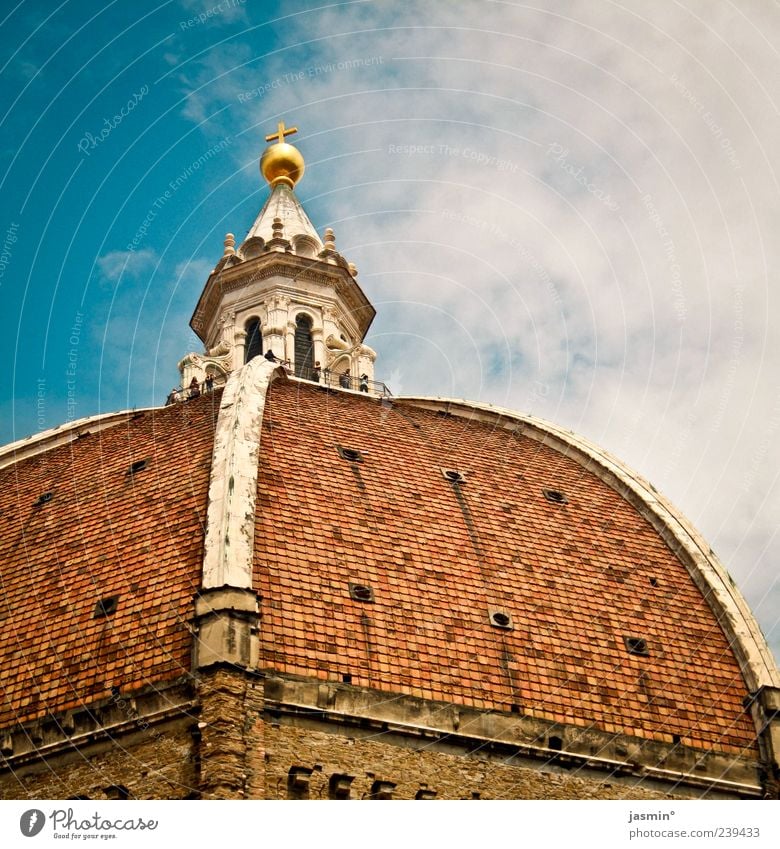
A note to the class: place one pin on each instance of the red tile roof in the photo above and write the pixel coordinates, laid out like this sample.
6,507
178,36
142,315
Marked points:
576,578
103,533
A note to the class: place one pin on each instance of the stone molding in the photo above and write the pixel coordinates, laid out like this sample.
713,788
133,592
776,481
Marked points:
227,628
65,433
272,264
101,722
230,524
526,739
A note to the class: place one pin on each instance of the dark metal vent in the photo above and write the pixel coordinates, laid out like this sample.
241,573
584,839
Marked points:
350,454
137,466
501,619
361,592
106,606
555,495
636,645
44,498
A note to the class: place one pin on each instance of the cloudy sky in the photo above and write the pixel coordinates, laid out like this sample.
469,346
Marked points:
567,208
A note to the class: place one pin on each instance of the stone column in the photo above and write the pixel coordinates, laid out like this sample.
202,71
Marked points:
239,348
289,343
319,346
231,744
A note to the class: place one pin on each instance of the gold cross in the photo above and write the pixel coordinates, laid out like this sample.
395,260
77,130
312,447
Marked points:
281,133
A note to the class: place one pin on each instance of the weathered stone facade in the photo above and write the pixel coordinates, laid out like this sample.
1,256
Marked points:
231,744
308,764
250,736
157,763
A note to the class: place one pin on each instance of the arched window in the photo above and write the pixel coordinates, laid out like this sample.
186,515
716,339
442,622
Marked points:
253,346
304,347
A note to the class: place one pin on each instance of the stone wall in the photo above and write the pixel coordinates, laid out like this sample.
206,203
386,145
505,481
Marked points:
304,763
156,763
236,740
231,735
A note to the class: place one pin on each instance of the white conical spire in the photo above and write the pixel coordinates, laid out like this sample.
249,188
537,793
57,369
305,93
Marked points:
284,205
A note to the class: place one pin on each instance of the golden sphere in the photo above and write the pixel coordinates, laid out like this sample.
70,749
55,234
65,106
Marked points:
282,163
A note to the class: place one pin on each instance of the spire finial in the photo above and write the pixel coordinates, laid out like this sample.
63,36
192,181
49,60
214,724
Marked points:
280,133
281,163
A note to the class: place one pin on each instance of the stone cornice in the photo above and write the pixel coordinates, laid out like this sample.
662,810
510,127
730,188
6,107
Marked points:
64,434
275,263
523,738
101,721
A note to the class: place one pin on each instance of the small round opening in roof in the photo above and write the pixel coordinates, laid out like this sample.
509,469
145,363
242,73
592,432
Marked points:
361,592
555,495
351,454
500,619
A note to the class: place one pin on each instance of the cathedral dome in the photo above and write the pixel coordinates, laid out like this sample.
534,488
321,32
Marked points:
287,583
452,569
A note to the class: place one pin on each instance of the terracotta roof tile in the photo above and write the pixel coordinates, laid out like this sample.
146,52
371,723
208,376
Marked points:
103,533
576,578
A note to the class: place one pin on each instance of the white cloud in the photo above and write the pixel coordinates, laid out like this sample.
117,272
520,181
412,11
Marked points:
499,271
214,13
117,264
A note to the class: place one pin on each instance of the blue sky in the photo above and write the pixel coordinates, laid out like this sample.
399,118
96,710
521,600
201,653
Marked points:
568,210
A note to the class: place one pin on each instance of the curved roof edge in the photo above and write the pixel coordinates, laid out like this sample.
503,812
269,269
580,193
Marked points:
708,573
63,434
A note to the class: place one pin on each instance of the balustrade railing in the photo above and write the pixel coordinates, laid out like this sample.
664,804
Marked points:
325,377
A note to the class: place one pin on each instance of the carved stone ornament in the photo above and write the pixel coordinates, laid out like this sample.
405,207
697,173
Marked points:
220,349
333,343
191,359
